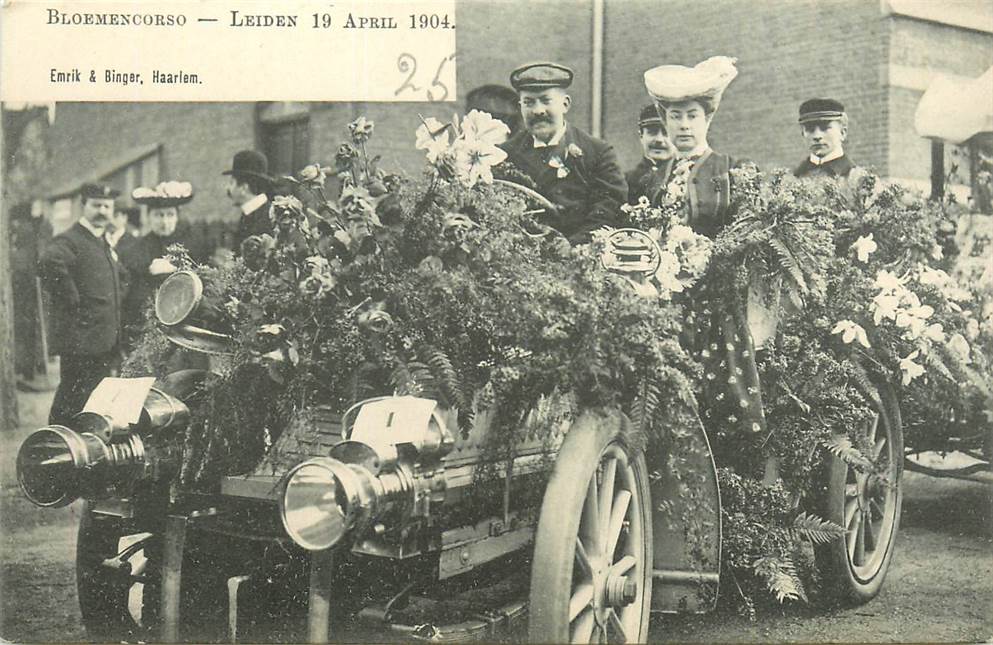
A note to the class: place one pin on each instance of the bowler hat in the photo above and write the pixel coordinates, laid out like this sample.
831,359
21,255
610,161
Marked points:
650,116
97,191
821,110
249,163
541,76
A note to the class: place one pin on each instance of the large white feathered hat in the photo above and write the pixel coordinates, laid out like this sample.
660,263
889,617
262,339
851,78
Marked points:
707,80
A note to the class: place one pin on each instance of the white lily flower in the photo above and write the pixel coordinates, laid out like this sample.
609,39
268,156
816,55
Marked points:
887,281
851,331
884,306
935,333
910,369
864,247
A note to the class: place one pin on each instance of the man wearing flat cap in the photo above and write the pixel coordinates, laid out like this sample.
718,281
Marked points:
645,179
824,126
248,186
83,275
577,172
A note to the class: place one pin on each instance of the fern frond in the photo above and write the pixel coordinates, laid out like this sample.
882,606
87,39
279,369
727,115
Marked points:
644,407
789,264
453,391
841,447
414,379
780,576
816,530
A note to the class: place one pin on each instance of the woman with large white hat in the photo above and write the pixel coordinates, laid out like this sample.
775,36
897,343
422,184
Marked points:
697,177
698,181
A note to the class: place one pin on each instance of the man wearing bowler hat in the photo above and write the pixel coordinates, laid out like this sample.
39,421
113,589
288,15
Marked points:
645,179
577,172
82,273
824,126
248,187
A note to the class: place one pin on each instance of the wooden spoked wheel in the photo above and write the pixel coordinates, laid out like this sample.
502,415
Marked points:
592,571
867,505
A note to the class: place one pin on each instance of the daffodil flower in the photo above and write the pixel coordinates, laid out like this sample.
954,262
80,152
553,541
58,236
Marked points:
910,369
851,331
864,247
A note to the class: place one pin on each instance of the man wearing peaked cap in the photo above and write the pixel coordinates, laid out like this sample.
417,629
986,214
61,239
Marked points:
645,178
577,172
83,275
824,126
248,186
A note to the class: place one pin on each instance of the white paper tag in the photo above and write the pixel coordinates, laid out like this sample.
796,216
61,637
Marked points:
401,419
120,398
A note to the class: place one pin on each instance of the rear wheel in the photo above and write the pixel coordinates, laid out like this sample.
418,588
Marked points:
591,578
867,505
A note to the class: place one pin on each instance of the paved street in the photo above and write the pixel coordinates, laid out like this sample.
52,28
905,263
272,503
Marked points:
940,588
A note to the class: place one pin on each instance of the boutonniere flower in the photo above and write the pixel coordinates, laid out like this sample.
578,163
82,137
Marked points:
573,151
561,171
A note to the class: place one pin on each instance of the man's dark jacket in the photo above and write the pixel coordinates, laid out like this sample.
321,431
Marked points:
840,167
589,196
84,278
257,222
644,180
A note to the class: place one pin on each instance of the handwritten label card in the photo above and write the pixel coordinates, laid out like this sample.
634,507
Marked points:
240,50
121,399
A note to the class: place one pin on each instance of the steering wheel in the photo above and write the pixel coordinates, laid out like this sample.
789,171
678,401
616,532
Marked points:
545,206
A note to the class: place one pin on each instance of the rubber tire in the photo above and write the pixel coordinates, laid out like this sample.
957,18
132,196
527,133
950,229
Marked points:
558,526
838,578
103,594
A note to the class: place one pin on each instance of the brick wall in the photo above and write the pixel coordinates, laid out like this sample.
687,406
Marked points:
787,51
197,139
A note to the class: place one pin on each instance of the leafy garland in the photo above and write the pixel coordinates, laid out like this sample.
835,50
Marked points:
438,287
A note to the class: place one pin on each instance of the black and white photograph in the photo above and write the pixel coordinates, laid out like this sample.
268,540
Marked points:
497,321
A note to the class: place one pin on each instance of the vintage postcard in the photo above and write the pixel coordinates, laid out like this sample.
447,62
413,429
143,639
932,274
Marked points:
496,320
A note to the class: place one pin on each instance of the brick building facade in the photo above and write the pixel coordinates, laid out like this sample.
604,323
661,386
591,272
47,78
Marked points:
877,56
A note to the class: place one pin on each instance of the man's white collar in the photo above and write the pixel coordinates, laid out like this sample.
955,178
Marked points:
554,141
254,203
818,161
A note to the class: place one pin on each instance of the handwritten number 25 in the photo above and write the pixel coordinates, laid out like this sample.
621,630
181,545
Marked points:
407,64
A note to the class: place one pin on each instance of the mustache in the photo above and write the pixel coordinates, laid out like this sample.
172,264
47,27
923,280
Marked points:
543,118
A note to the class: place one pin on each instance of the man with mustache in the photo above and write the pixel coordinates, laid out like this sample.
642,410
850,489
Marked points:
645,179
824,126
82,273
577,172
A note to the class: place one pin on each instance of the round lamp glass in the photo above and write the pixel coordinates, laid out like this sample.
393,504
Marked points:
312,513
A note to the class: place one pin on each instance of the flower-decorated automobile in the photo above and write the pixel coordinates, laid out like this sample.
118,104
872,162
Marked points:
427,414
